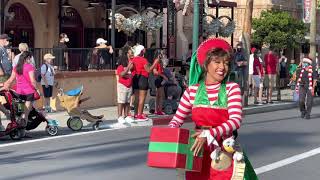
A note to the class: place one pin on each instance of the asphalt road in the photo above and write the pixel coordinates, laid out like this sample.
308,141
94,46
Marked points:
121,154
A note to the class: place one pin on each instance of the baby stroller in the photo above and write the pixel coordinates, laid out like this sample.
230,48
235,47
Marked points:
14,129
35,118
172,93
70,100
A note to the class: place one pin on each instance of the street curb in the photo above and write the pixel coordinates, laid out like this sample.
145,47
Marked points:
246,111
275,107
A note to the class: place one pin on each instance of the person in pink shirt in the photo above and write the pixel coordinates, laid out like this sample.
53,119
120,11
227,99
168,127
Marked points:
271,65
24,76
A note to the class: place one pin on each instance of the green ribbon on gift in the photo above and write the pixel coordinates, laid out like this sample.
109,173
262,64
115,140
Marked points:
169,147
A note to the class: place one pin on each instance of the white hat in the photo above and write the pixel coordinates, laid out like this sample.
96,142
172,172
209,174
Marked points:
101,41
137,50
48,56
307,60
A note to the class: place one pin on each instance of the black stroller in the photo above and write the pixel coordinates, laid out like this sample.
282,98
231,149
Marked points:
35,118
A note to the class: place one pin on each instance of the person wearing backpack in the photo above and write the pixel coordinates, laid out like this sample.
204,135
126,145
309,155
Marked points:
5,69
47,80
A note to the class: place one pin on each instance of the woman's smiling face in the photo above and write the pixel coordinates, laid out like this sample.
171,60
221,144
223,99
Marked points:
217,66
217,69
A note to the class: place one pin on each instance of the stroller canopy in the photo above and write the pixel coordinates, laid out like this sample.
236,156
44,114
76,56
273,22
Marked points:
74,92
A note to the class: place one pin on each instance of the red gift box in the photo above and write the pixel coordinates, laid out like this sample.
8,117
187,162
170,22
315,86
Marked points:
170,148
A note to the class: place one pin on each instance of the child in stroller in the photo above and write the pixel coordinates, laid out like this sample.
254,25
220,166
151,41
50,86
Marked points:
71,101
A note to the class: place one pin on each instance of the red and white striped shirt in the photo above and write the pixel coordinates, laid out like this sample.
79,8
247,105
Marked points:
234,107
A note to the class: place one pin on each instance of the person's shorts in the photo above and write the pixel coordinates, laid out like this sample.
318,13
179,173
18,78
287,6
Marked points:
124,93
271,80
140,82
25,97
258,82
250,79
47,92
158,82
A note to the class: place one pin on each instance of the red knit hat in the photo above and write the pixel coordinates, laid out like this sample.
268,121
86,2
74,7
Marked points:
253,50
211,44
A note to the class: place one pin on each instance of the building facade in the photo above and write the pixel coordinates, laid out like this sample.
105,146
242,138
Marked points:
39,25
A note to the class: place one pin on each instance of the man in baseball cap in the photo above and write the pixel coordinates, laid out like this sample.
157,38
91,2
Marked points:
4,57
4,36
101,41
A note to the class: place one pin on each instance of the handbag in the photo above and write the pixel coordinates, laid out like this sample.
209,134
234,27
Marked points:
36,95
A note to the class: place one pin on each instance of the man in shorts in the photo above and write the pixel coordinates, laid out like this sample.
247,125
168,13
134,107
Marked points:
4,57
271,64
47,80
257,76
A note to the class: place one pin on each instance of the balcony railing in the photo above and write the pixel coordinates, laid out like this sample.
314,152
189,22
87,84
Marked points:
81,59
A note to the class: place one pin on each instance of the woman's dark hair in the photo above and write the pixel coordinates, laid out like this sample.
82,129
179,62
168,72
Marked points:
157,54
123,60
22,59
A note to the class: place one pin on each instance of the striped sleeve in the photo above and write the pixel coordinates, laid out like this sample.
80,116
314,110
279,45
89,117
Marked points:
234,110
183,110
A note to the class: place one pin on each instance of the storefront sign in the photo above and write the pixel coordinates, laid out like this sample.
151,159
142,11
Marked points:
307,11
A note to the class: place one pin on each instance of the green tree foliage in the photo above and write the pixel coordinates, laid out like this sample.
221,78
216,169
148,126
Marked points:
278,29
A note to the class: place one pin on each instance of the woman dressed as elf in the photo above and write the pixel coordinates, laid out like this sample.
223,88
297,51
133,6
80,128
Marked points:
216,109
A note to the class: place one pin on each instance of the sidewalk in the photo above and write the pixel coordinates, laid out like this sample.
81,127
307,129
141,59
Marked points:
110,113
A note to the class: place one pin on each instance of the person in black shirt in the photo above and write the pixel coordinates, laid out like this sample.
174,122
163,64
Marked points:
104,54
240,65
61,53
306,82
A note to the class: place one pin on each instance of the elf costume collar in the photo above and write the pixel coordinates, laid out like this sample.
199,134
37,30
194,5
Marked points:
202,100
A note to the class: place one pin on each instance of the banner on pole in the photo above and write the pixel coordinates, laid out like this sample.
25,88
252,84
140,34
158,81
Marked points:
307,11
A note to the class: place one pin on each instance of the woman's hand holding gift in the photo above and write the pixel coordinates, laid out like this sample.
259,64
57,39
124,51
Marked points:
198,144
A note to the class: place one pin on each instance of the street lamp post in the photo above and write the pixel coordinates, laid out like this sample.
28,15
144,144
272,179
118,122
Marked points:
195,32
2,4
313,30
113,29
246,40
60,16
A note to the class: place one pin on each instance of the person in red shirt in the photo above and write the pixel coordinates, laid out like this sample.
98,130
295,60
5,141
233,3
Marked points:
159,79
257,76
124,88
141,70
271,65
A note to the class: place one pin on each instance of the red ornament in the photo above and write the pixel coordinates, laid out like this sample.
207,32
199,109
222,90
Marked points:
211,44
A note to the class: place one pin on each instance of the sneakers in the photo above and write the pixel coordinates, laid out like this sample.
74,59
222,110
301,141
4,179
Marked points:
160,113
260,103
129,119
141,117
48,109
121,120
